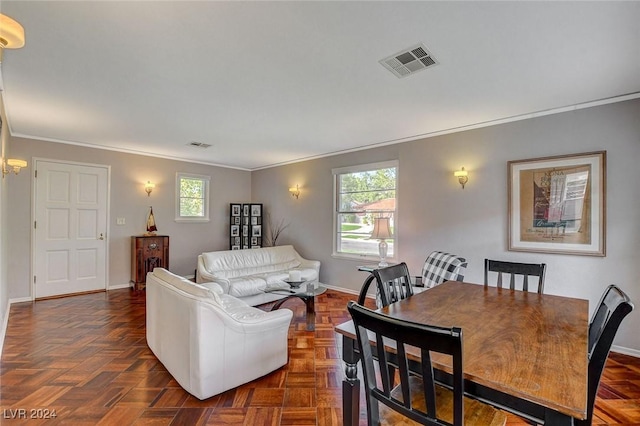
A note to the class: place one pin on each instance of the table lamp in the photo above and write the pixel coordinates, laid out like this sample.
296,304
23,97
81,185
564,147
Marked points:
381,231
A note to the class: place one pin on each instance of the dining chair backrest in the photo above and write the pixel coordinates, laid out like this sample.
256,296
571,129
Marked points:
394,283
513,269
613,307
441,266
417,396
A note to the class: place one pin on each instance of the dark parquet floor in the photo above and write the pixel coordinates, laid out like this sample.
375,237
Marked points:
85,360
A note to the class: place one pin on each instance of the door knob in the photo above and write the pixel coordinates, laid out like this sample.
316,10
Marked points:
101,237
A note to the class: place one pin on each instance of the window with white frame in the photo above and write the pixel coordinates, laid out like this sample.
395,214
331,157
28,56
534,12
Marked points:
192,198
362,194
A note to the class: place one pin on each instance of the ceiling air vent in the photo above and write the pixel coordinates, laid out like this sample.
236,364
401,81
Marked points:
199,144
409,61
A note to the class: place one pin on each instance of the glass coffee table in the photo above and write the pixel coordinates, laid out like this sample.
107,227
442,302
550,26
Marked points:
304,291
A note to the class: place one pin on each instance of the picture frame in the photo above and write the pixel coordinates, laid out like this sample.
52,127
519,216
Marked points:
256,231
245,210
235,210
558,204
235,230
256,209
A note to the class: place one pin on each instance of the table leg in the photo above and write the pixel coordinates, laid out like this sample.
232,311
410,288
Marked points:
311,312
552,417
350,384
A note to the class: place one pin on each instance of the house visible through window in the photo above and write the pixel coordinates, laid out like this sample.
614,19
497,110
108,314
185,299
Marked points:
363,193
192,202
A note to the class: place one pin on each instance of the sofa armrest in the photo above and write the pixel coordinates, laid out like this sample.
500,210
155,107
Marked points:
203,276
307,263
254,320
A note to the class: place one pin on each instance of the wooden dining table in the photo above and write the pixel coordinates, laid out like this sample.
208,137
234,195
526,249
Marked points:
523,352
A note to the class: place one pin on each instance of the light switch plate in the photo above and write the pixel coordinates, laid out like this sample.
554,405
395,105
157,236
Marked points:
120,221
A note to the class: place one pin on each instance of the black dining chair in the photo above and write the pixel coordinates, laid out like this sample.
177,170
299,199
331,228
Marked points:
613,307
417,399
393,283
514,269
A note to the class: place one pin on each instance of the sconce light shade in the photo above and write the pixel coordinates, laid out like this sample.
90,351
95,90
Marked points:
462,176
295,192
12,165
11,33
381,231
148,187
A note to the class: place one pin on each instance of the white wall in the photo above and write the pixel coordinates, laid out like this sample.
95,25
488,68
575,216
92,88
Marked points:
436,214
4,300
128,199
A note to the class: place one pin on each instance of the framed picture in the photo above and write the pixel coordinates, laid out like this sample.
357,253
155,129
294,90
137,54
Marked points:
256,231
254,241
245,220
558,204
235,209
245,210
256,209
254,220
235,230
236,220
235,247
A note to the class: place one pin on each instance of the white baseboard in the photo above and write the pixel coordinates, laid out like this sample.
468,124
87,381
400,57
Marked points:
118,286
5,323
625,351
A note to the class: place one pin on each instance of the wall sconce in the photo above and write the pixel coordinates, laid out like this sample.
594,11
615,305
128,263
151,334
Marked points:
462,176
295,192
148,187
12,165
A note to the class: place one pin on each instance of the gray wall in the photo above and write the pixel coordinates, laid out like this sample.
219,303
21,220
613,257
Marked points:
128,199
436,214
4,299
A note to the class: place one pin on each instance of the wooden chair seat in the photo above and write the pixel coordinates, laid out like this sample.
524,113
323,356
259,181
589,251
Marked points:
475,412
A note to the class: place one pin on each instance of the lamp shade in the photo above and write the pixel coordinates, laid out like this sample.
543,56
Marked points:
12,162
381,228
11,33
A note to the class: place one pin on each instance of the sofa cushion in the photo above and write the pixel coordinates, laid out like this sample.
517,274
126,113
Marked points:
185,285
246,286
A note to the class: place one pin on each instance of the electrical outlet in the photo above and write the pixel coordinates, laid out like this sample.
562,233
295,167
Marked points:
120,221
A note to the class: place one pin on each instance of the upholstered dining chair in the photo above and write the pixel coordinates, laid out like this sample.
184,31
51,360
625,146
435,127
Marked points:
613,307
393,284
417,399
513,269
441,266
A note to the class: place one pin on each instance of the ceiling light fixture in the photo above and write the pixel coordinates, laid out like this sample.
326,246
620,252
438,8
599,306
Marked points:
11,34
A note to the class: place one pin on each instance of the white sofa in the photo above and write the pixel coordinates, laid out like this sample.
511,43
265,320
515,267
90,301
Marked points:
250,274
211,342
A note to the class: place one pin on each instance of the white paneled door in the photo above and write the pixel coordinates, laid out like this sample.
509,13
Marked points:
70,228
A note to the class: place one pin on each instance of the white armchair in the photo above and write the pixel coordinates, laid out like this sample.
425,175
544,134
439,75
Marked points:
211,342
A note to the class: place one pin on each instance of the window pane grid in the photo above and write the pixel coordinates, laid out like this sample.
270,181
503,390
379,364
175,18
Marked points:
360,197
192,197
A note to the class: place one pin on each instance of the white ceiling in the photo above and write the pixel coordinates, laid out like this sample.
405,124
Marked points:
267,83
